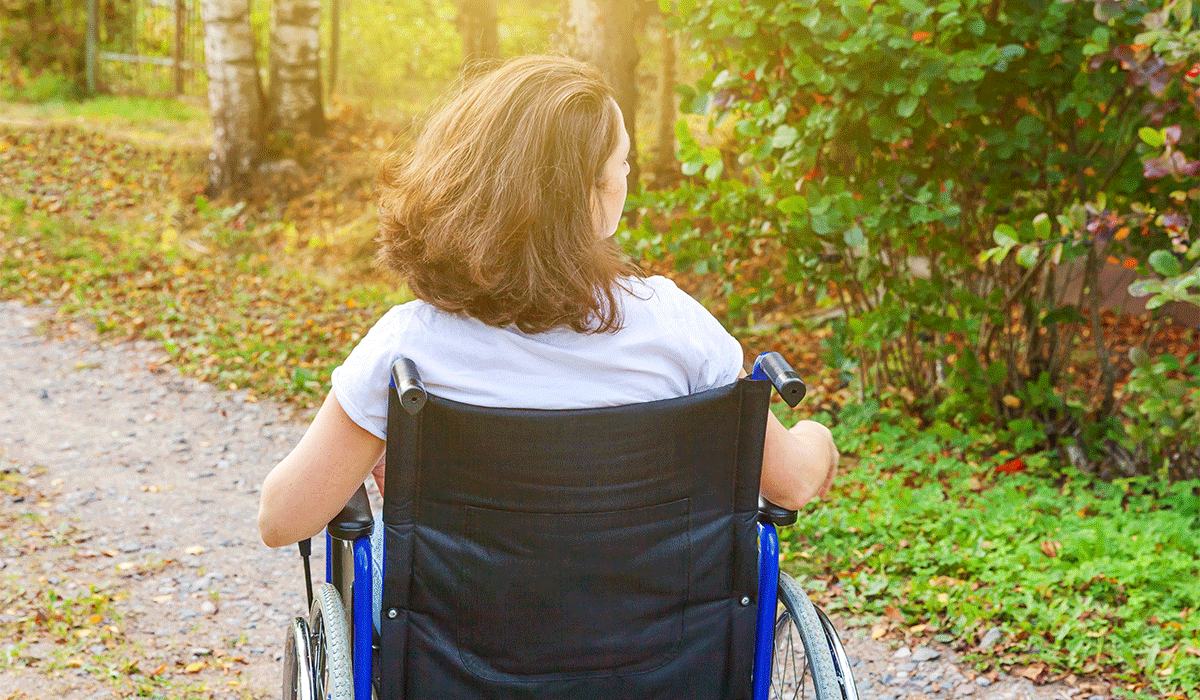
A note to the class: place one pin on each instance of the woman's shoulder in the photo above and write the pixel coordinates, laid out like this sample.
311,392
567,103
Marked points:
658,294
400,316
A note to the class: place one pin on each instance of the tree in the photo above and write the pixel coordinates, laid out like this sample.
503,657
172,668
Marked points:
235,97
294,97
476,23
666,167
604,33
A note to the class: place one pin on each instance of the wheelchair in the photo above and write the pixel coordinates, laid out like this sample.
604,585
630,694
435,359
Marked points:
619,552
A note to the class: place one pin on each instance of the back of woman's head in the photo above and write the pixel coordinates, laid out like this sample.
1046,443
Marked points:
491,212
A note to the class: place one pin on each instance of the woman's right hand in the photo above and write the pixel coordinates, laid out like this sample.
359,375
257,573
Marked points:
818,439
798,464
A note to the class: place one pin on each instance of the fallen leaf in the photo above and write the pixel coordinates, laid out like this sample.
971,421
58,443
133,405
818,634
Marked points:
160,599
194,549
878,630
1012,466
1051,548
194,667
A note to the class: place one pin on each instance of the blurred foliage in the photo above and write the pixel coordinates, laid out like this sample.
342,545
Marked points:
397,55
933,170
42,47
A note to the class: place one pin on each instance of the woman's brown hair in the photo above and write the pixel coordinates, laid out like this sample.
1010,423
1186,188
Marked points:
490,214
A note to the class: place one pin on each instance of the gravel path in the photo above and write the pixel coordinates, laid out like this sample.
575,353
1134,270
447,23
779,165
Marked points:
151,479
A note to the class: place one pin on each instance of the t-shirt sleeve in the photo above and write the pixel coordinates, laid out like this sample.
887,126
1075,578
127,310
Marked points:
360,383
716,356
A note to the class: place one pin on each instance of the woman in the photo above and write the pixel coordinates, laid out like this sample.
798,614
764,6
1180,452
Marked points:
500,219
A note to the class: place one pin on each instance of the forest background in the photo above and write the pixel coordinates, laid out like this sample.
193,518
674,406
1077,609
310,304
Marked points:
971,224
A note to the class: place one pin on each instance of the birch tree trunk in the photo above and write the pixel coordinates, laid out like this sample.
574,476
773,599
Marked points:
665,166
234,94
294,87
604,33
480,35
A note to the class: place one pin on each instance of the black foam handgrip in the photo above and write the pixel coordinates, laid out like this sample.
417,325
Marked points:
408,385
354,521
789,384
780,516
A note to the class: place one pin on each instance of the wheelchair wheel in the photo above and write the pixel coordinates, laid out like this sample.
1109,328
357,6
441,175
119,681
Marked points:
332,669
841,662
299,679
803,664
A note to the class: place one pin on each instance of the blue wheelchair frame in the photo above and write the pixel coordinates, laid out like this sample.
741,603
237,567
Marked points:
351,560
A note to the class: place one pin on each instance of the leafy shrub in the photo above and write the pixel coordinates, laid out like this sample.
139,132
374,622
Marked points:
926,168
1163,415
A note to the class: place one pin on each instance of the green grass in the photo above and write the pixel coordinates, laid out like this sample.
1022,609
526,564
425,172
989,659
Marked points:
142,119
107,109
1086,577
224,316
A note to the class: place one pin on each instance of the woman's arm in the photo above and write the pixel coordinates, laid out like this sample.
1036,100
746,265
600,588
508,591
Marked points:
798,464
304,491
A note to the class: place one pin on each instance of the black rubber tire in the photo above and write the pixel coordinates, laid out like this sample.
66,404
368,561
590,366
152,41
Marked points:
299,680
841,660
332,663
795,672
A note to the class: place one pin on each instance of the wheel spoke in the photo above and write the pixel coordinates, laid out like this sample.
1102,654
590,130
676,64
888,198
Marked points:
798,632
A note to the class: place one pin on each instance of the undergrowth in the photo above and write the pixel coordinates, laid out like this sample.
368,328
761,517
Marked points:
933,541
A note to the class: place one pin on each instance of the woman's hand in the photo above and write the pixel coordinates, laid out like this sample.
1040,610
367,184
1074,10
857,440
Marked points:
798,464
818,439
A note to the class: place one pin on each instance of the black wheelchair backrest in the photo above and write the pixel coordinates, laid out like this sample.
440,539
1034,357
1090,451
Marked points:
592,553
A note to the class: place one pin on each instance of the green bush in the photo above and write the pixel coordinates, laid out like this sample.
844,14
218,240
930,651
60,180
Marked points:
926,167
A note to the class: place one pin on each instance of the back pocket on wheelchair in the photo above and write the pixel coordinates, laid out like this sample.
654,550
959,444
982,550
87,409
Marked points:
567,595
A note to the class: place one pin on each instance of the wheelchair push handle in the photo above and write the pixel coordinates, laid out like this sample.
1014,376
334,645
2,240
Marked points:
771,366
407,383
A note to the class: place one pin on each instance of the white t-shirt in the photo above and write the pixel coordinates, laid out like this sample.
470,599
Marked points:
669,346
